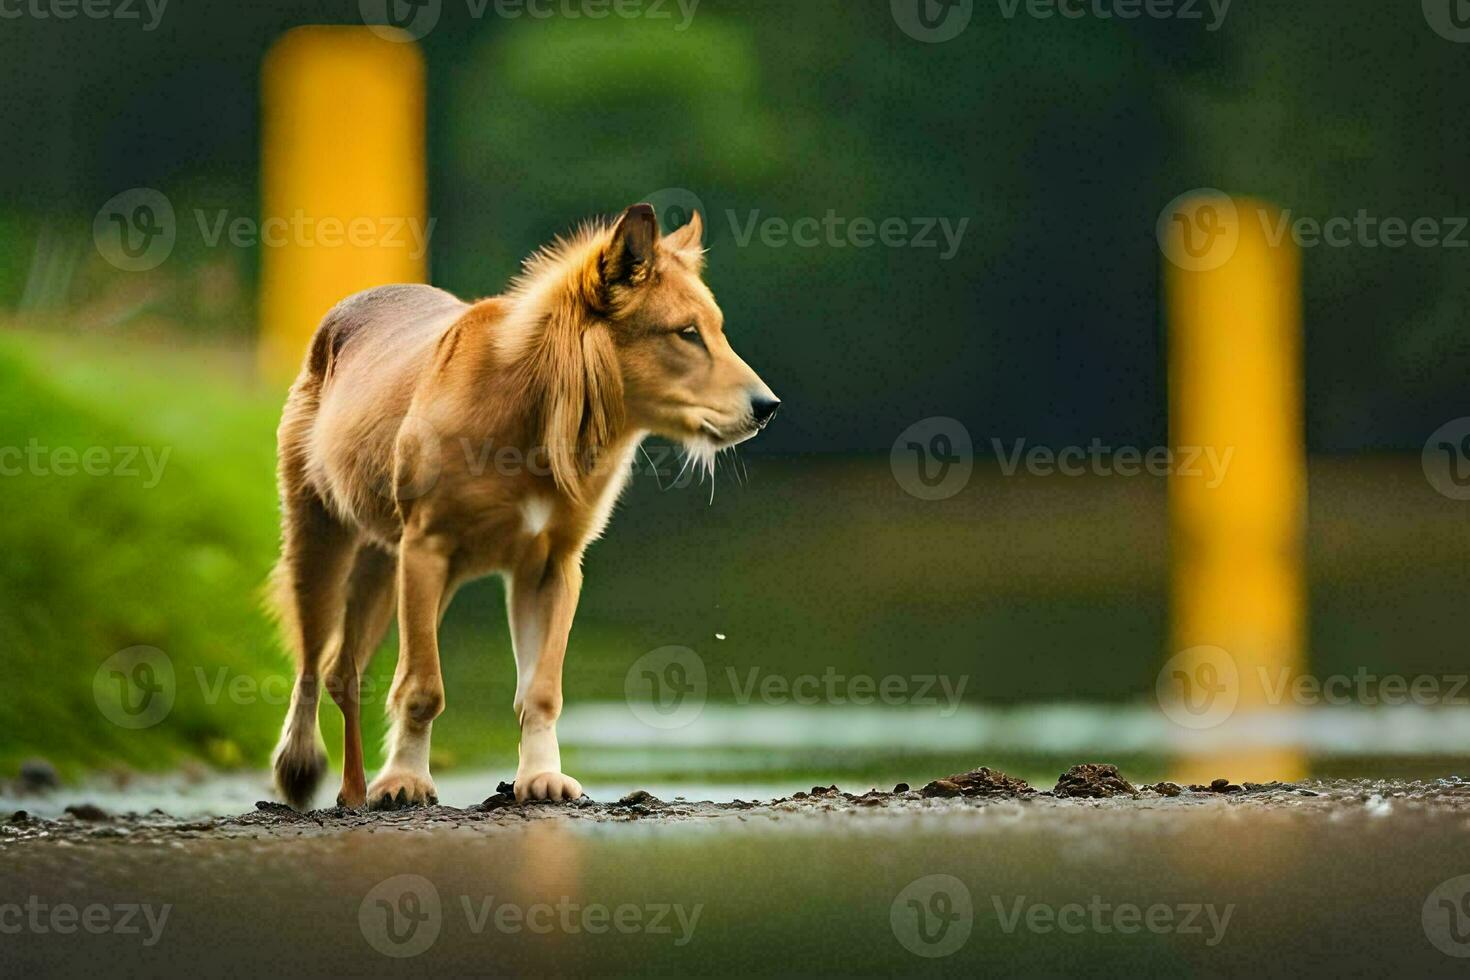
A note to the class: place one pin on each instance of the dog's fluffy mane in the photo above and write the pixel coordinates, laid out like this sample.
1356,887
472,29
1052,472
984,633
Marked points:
556,333
563,353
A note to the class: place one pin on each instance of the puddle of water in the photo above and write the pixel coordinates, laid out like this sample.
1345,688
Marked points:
761,752
227,794
1040,729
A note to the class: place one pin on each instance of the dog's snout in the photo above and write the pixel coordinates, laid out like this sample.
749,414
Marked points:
763,406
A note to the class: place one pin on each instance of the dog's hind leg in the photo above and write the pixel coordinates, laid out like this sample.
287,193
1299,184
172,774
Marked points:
310,581
370,591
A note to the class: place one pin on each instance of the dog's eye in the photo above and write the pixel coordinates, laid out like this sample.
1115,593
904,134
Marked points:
691,334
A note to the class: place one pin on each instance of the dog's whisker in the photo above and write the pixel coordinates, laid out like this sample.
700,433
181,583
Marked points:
688,460
652,468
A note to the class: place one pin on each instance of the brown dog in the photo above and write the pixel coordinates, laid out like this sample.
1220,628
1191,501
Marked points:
428,441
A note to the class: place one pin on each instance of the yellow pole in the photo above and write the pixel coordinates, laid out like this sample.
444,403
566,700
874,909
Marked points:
342,179
1233,303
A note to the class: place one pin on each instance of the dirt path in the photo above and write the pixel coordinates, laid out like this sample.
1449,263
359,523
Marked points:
980,874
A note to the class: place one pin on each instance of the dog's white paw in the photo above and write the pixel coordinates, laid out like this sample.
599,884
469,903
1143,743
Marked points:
400,789
547,786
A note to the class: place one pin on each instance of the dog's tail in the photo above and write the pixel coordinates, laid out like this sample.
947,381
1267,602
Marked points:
300,758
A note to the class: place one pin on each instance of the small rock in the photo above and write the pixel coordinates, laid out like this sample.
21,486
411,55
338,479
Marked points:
901,788
19,818
1166,789
979,782
1093,780
37,775
87,811
1216,786
271,806
941,788
640,797
501,798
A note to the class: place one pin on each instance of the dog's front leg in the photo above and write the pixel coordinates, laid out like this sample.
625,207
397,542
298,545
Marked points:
417,696
542,601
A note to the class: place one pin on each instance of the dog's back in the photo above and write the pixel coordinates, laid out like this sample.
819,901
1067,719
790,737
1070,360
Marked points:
347,405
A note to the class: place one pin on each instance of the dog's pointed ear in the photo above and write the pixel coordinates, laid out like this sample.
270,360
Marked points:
689,239
629,255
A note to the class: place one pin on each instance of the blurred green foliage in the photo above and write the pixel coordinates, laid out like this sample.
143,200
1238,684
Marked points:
1059,139
97,563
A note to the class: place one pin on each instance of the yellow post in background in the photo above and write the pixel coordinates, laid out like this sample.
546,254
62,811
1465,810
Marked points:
342,179
1233,301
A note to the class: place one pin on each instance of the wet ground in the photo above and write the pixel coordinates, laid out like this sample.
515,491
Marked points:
973,872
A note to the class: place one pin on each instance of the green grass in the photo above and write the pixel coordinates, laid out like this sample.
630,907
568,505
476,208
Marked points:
94,564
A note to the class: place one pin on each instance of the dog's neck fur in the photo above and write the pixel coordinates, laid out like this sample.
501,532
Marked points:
559,352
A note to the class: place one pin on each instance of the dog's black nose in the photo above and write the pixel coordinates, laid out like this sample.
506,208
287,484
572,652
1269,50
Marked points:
763,407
